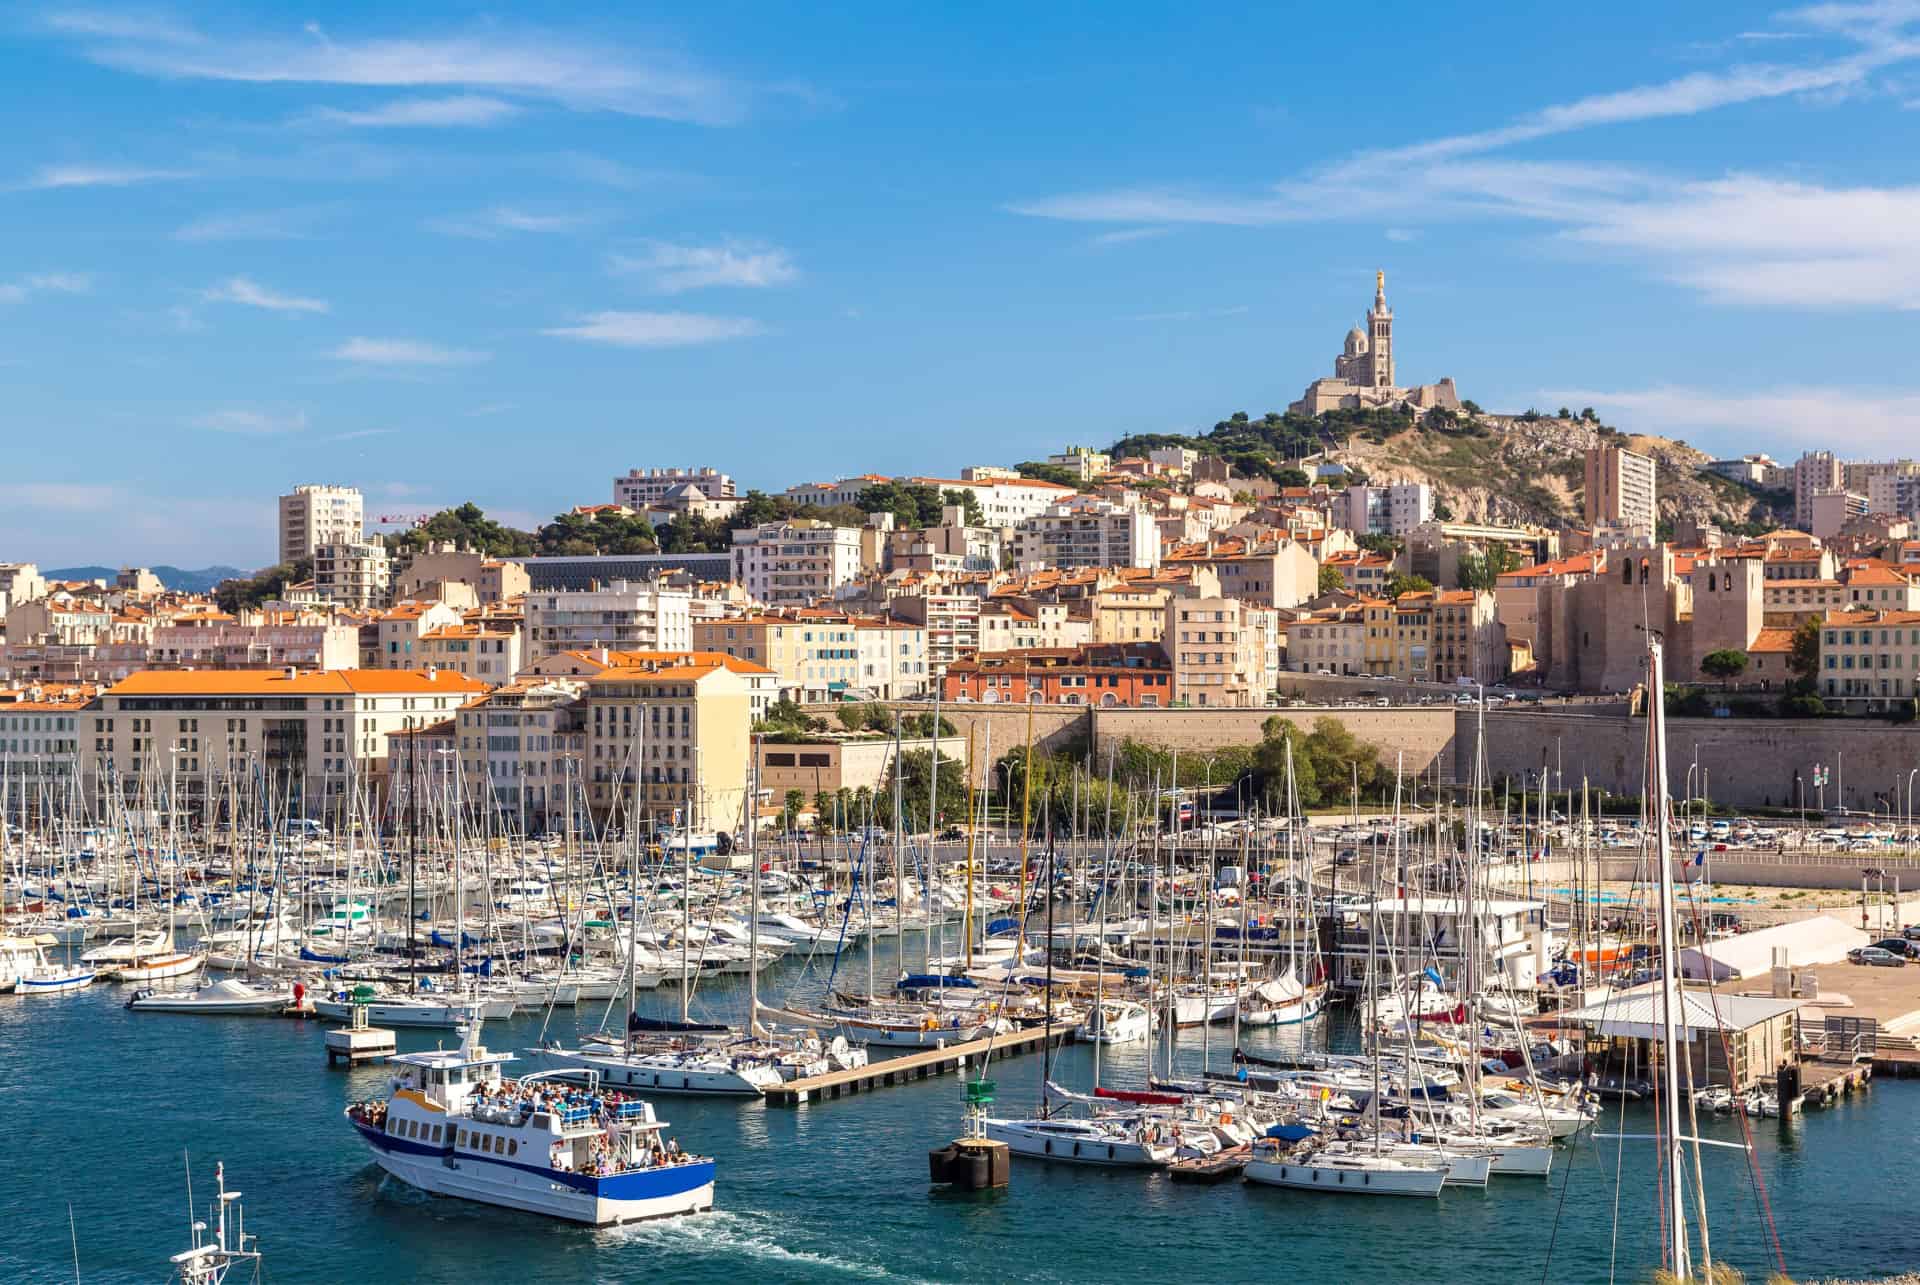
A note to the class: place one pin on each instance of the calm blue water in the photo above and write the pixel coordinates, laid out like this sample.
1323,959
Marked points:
100,1105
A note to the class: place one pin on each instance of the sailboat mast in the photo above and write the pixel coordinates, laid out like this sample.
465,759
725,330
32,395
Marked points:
1679,1263
966,918
753,888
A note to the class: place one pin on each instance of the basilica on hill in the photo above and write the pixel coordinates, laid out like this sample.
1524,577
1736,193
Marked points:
1363,372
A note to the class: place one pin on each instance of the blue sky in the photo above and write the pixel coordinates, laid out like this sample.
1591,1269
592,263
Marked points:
443,252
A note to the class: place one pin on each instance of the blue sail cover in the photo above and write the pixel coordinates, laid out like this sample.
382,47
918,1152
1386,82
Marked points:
1292,1132
929,981
1002,925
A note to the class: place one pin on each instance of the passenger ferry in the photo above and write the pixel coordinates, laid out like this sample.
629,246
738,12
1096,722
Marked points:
453,1126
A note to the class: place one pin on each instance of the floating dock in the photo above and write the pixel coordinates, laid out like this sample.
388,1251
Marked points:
357,1042
907,1067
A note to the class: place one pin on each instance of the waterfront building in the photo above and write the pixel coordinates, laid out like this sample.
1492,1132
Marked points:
306,733
1218,649
1870,659
824,655
524,745
668,742
490,655
1334,640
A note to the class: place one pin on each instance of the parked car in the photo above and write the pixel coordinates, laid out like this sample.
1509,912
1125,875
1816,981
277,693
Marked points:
1877,957
1898,946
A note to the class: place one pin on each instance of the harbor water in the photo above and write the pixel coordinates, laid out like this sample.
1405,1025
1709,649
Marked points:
105,1107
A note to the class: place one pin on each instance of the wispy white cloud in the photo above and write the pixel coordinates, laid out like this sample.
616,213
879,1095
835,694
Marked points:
1874,422
505,220
404,352
243,290
656,329
1401,235
59,176
254,225
460,110
674,268
44,283
1126,236
586,73
358,434
252,423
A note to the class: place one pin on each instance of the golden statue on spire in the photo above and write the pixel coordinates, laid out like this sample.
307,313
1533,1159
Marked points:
1380,281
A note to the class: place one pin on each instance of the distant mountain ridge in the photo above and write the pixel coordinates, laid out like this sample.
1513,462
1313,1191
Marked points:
176,578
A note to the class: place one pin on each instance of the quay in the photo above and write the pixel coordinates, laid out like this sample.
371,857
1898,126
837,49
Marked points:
912,1066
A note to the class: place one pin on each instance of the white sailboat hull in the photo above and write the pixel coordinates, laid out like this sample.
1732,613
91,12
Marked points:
1349,1180
1022,1139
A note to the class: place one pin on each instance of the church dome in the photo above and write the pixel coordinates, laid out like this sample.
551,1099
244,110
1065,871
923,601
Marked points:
1356,342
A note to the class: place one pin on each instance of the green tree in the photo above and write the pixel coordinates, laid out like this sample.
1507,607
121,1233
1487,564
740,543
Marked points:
1803,657
1331,581
1726,663
1401,582
824,819
262,586
792,806
1040,471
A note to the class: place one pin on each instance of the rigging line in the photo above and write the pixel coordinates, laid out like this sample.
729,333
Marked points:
1757,1182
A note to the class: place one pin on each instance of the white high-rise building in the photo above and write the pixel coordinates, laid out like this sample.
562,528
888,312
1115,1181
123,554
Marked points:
1388,510
315,515
795,562
621,616
641,488
1088,533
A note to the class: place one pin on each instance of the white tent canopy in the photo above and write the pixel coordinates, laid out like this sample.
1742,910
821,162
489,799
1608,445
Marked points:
1823,939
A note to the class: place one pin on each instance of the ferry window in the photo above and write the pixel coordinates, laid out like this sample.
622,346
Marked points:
513,1146
434,1134
462,1137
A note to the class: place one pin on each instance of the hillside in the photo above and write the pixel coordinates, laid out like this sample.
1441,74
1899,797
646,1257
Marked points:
184,581
1503,469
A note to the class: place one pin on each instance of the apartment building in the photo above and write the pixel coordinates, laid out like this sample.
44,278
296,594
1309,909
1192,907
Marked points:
1363,572
1219,649
796,562
1271,570
1621,490
1015,624
492,579
1333,641
1087,533
1830,511
1870,659
1468,640
308,734
1083,462
524,745
214,640
391,640
623,615
313,515
1003,502
821,656
490,655
1814,473
39,744
951,620
1135,675
352,575
642,489
668,744
1394,509
20,582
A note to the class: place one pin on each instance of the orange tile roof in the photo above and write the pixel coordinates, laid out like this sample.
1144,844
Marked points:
1771,641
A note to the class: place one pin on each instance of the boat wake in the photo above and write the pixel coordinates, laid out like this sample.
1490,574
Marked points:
737,1237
